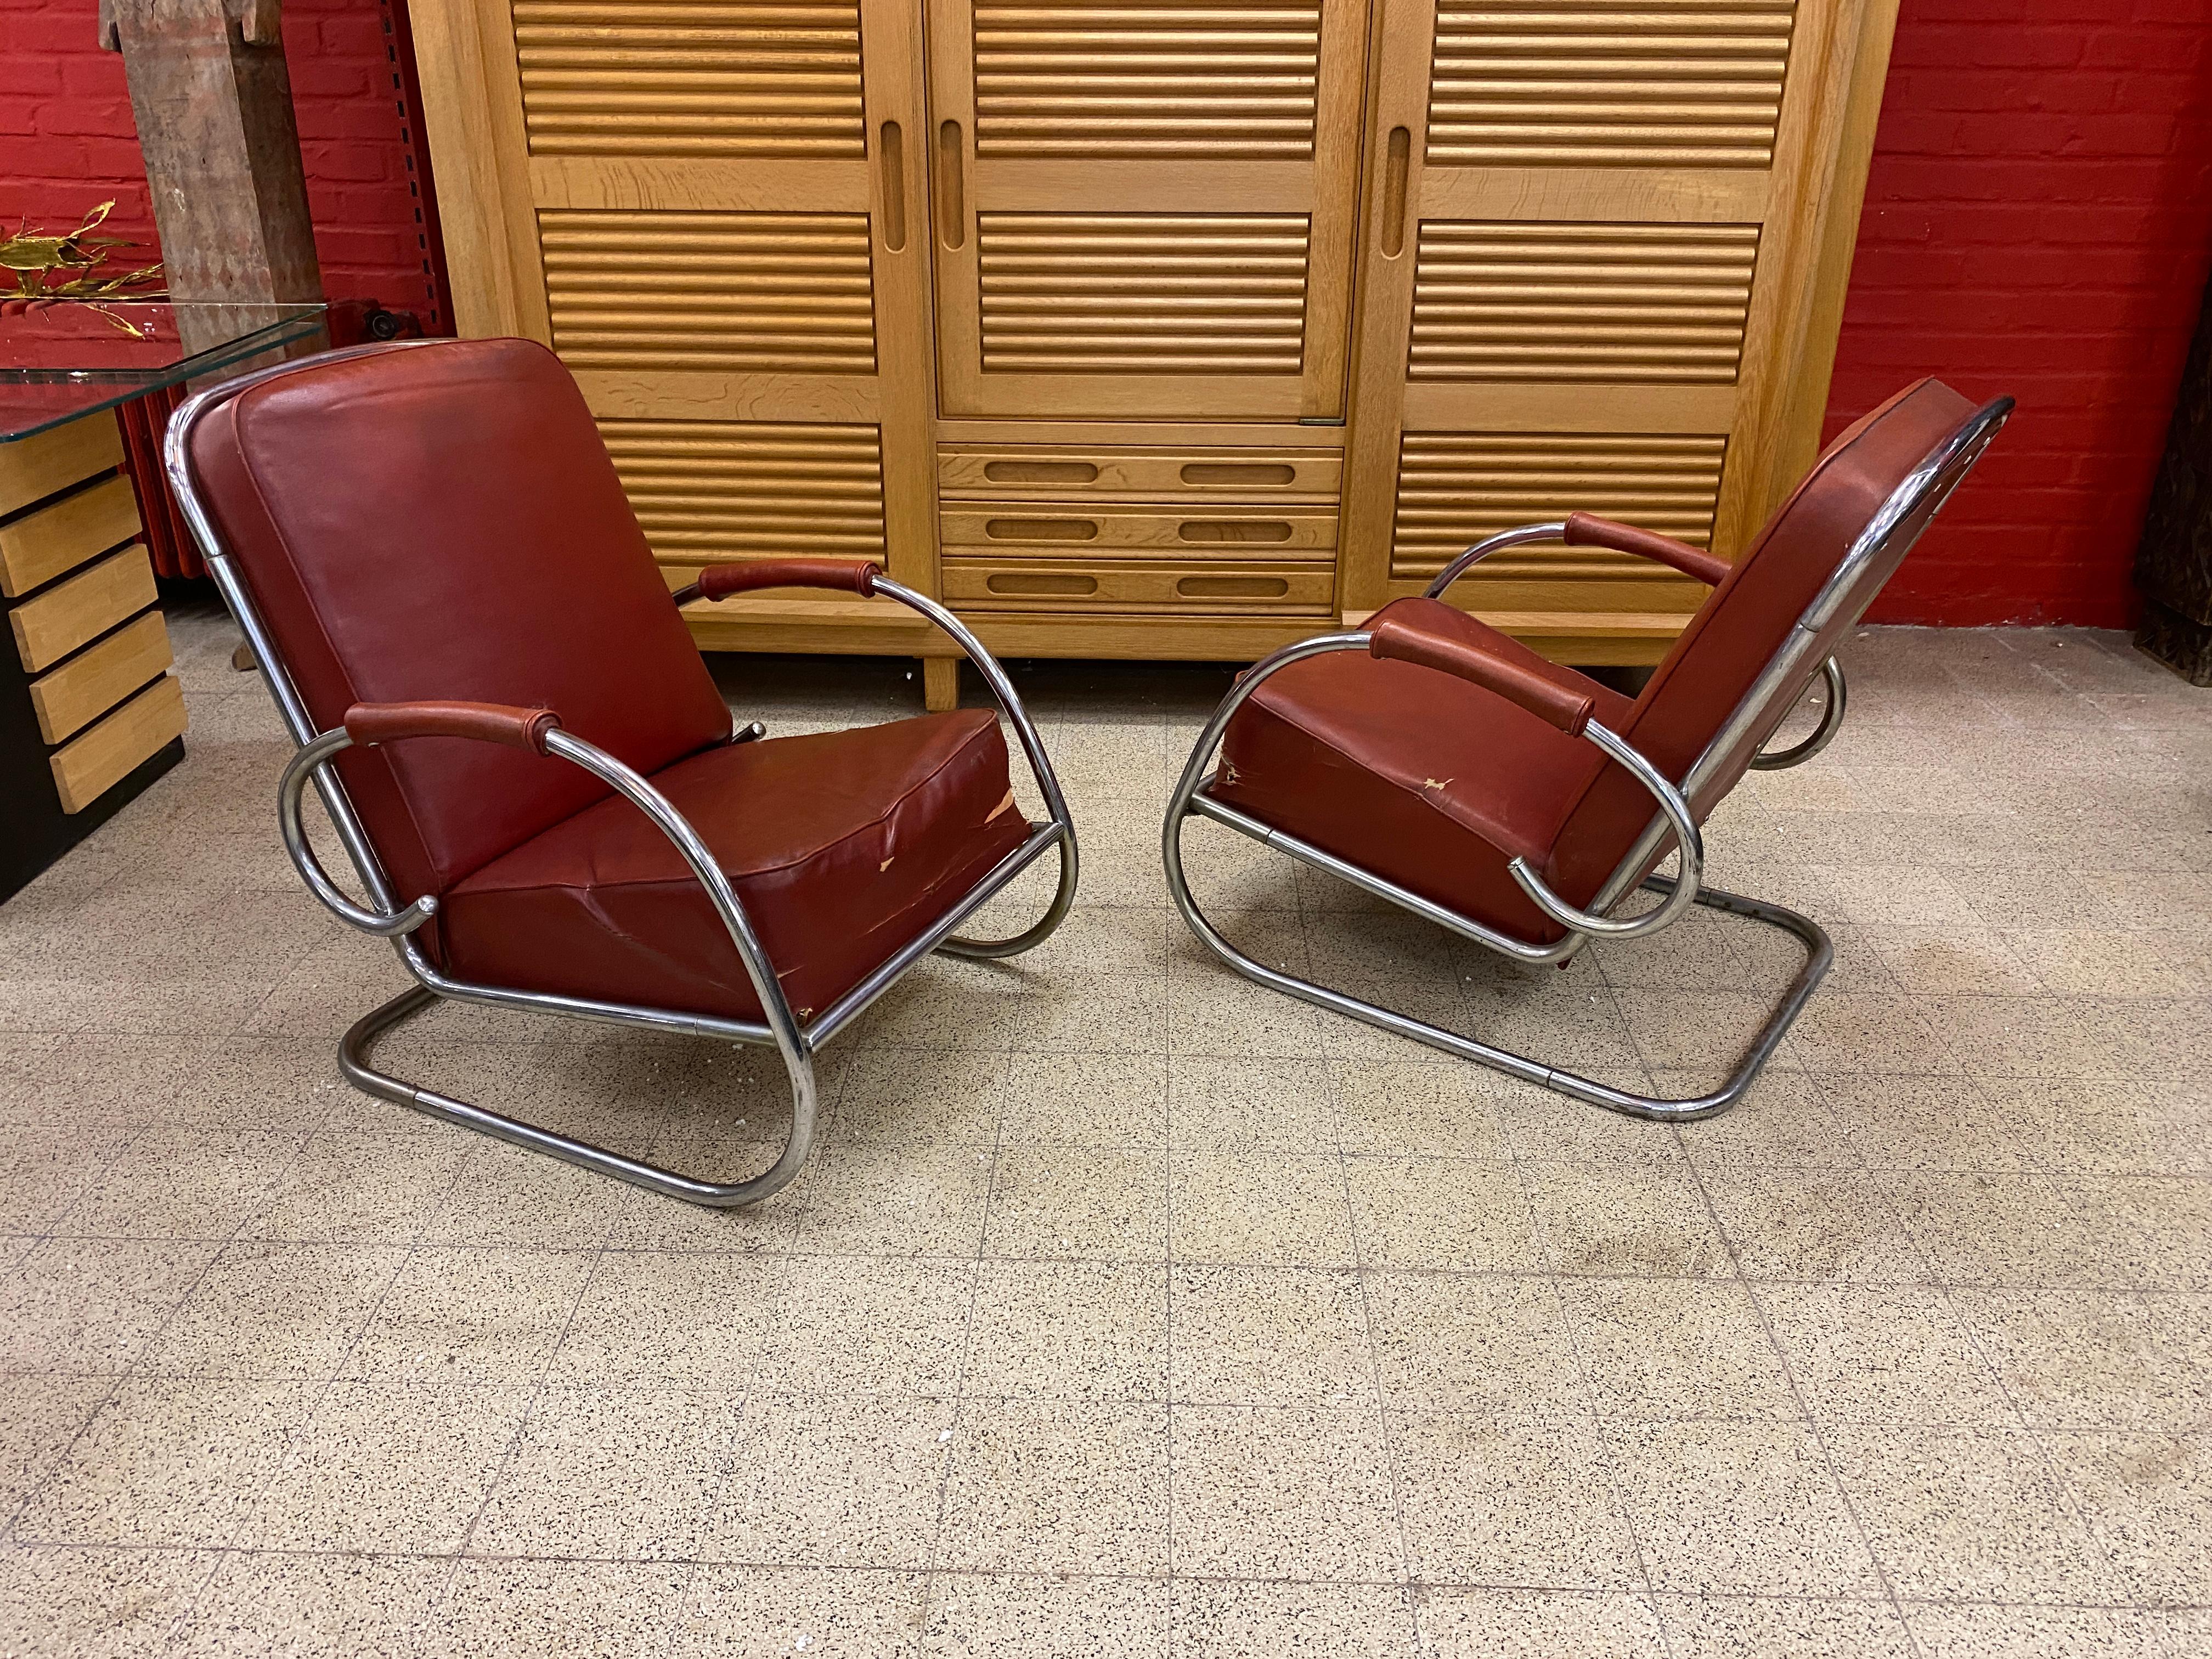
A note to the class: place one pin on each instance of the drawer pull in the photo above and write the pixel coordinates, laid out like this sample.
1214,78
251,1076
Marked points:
1041,472
1040,530
1235,530
1231,588
1241,474
891,161
1021,584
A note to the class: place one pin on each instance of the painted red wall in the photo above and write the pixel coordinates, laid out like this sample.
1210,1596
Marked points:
68,143
2038,221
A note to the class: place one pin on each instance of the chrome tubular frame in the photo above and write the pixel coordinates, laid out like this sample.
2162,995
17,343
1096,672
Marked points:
795,1041
1777,689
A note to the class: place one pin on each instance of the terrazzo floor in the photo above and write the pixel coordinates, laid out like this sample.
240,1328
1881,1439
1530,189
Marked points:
1126,1309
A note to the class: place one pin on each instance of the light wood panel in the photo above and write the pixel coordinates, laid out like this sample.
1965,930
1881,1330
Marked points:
94,681
89,765
39,546
1143,208
1102,471
31,468
714,214
83,607
1585,273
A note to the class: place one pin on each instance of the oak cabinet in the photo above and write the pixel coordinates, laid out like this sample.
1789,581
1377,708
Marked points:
1135,327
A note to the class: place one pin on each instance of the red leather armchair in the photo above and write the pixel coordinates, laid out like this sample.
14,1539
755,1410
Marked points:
531,771
1440,765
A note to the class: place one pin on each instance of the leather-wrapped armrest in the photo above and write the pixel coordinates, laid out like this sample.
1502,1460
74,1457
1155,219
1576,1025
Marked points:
1408,639
1588,530
719,582
371,723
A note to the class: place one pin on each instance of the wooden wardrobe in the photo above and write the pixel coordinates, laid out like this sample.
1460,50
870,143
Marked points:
1141,329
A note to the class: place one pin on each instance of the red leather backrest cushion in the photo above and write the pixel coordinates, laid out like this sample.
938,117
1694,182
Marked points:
1747,618
442,522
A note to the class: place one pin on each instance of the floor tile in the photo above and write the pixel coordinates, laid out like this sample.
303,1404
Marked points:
1078,1203
1814,1224
70,1603
860,1325
275,1311
167,1463
1527,1624
2091,1358
2148,1498
895,1200
93,1306
829,1482
387,1468
312,1607
470,1316
1779,1627
1469,1342
1068,1330
1741,1507
620,1473
1085,1100
2032,1632
1657,1349
1251,1103
1057,1486
1968,1514
1605,1219
1220,1619
1293,1493
1007,1616
1260,1209
698,1320
1268,1336
1443,1213
1881,1353
578,1609
1501,1500
824,1612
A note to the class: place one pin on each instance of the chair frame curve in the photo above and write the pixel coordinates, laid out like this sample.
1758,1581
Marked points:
795,1041
1784,682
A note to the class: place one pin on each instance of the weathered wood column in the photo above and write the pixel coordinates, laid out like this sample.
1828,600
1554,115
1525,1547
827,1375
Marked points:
213,101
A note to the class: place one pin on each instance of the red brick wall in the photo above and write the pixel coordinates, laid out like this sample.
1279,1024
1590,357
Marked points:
2039,221
69,141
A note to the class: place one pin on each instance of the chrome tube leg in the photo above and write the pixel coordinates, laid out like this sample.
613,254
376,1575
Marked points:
353,1061
1820,954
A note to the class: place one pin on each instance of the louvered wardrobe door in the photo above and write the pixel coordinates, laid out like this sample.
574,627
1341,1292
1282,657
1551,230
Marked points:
1145,208
1587,274
706,213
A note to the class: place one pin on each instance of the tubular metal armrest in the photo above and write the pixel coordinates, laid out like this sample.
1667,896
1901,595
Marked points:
1587,530
864,577
397,722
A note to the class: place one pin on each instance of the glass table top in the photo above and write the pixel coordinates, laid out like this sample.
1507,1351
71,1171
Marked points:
62,359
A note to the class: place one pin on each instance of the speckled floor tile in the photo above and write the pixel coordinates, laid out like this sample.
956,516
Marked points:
1532,1624
823,1613
577,1609
1292,1493
1215,1619
69,1603
1501,1500
1470,1342
1078,1203
1881,1353
1741,1507
313,1606
831,1482
1779,1627
1056,1487
1657,1349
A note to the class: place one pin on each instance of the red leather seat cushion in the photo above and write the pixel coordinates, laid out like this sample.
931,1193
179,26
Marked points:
842,847
1413,774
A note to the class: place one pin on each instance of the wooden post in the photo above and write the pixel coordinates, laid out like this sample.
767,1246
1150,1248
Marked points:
213,102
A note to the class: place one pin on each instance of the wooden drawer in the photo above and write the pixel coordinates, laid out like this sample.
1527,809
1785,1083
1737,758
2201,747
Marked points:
31,468
1247,588
50,627
94,680
1201,533
1102,471
93,762
62,535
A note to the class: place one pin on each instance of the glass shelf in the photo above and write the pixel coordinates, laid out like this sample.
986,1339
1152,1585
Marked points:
63,359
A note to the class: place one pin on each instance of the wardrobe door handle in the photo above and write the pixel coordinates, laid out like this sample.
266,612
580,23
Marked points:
951,186
1397,162
890,157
